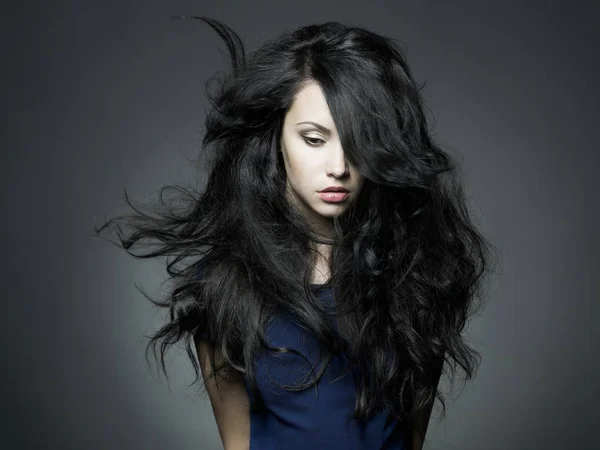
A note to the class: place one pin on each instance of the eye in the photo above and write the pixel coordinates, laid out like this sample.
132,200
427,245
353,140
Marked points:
311,141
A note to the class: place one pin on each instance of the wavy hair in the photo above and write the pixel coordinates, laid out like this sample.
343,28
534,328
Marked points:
408,264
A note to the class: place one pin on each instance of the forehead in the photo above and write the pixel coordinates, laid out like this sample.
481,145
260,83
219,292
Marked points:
310,104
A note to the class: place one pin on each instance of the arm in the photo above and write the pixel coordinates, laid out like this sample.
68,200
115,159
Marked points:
231,407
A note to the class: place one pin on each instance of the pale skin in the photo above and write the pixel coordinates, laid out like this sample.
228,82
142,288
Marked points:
314,160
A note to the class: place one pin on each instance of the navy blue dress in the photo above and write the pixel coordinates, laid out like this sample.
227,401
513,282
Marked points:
301,419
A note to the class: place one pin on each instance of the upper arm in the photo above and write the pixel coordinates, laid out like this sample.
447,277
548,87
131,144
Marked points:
230,404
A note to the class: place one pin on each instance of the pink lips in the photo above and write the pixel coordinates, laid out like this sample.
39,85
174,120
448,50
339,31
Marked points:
334,197
334,194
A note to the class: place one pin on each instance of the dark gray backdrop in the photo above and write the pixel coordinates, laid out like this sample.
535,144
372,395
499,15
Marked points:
102,95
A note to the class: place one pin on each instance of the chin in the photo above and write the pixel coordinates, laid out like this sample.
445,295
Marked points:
331,210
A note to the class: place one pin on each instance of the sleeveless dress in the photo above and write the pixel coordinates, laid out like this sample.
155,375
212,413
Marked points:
303,419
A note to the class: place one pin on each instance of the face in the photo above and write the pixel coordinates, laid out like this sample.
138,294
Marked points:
314,159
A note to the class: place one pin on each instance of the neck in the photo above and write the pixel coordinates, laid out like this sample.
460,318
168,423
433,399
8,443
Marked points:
322,271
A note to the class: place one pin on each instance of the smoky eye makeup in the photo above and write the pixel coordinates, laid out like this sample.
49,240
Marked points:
313,141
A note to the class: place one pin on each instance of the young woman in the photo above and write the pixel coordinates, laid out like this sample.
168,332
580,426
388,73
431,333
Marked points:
328,268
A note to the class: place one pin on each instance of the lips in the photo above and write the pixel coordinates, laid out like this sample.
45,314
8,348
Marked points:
334,189
333,196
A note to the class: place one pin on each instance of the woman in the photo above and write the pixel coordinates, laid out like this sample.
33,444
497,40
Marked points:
328,268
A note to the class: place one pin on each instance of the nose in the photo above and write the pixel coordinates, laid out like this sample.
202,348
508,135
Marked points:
337,165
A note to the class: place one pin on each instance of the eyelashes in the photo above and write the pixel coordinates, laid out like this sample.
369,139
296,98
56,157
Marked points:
310,141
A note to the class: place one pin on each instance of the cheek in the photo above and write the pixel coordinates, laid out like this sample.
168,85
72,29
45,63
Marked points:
357,176
300,176
301,170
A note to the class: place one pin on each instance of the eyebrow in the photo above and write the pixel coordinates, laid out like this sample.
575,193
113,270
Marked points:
317,126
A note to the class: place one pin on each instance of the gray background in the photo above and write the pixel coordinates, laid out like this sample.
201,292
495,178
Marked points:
102,95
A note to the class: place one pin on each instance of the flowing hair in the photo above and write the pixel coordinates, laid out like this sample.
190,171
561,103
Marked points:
408,264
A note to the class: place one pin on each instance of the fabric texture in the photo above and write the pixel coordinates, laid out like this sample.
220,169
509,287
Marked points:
312,418
303,419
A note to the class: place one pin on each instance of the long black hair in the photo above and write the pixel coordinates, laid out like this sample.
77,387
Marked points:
408,264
